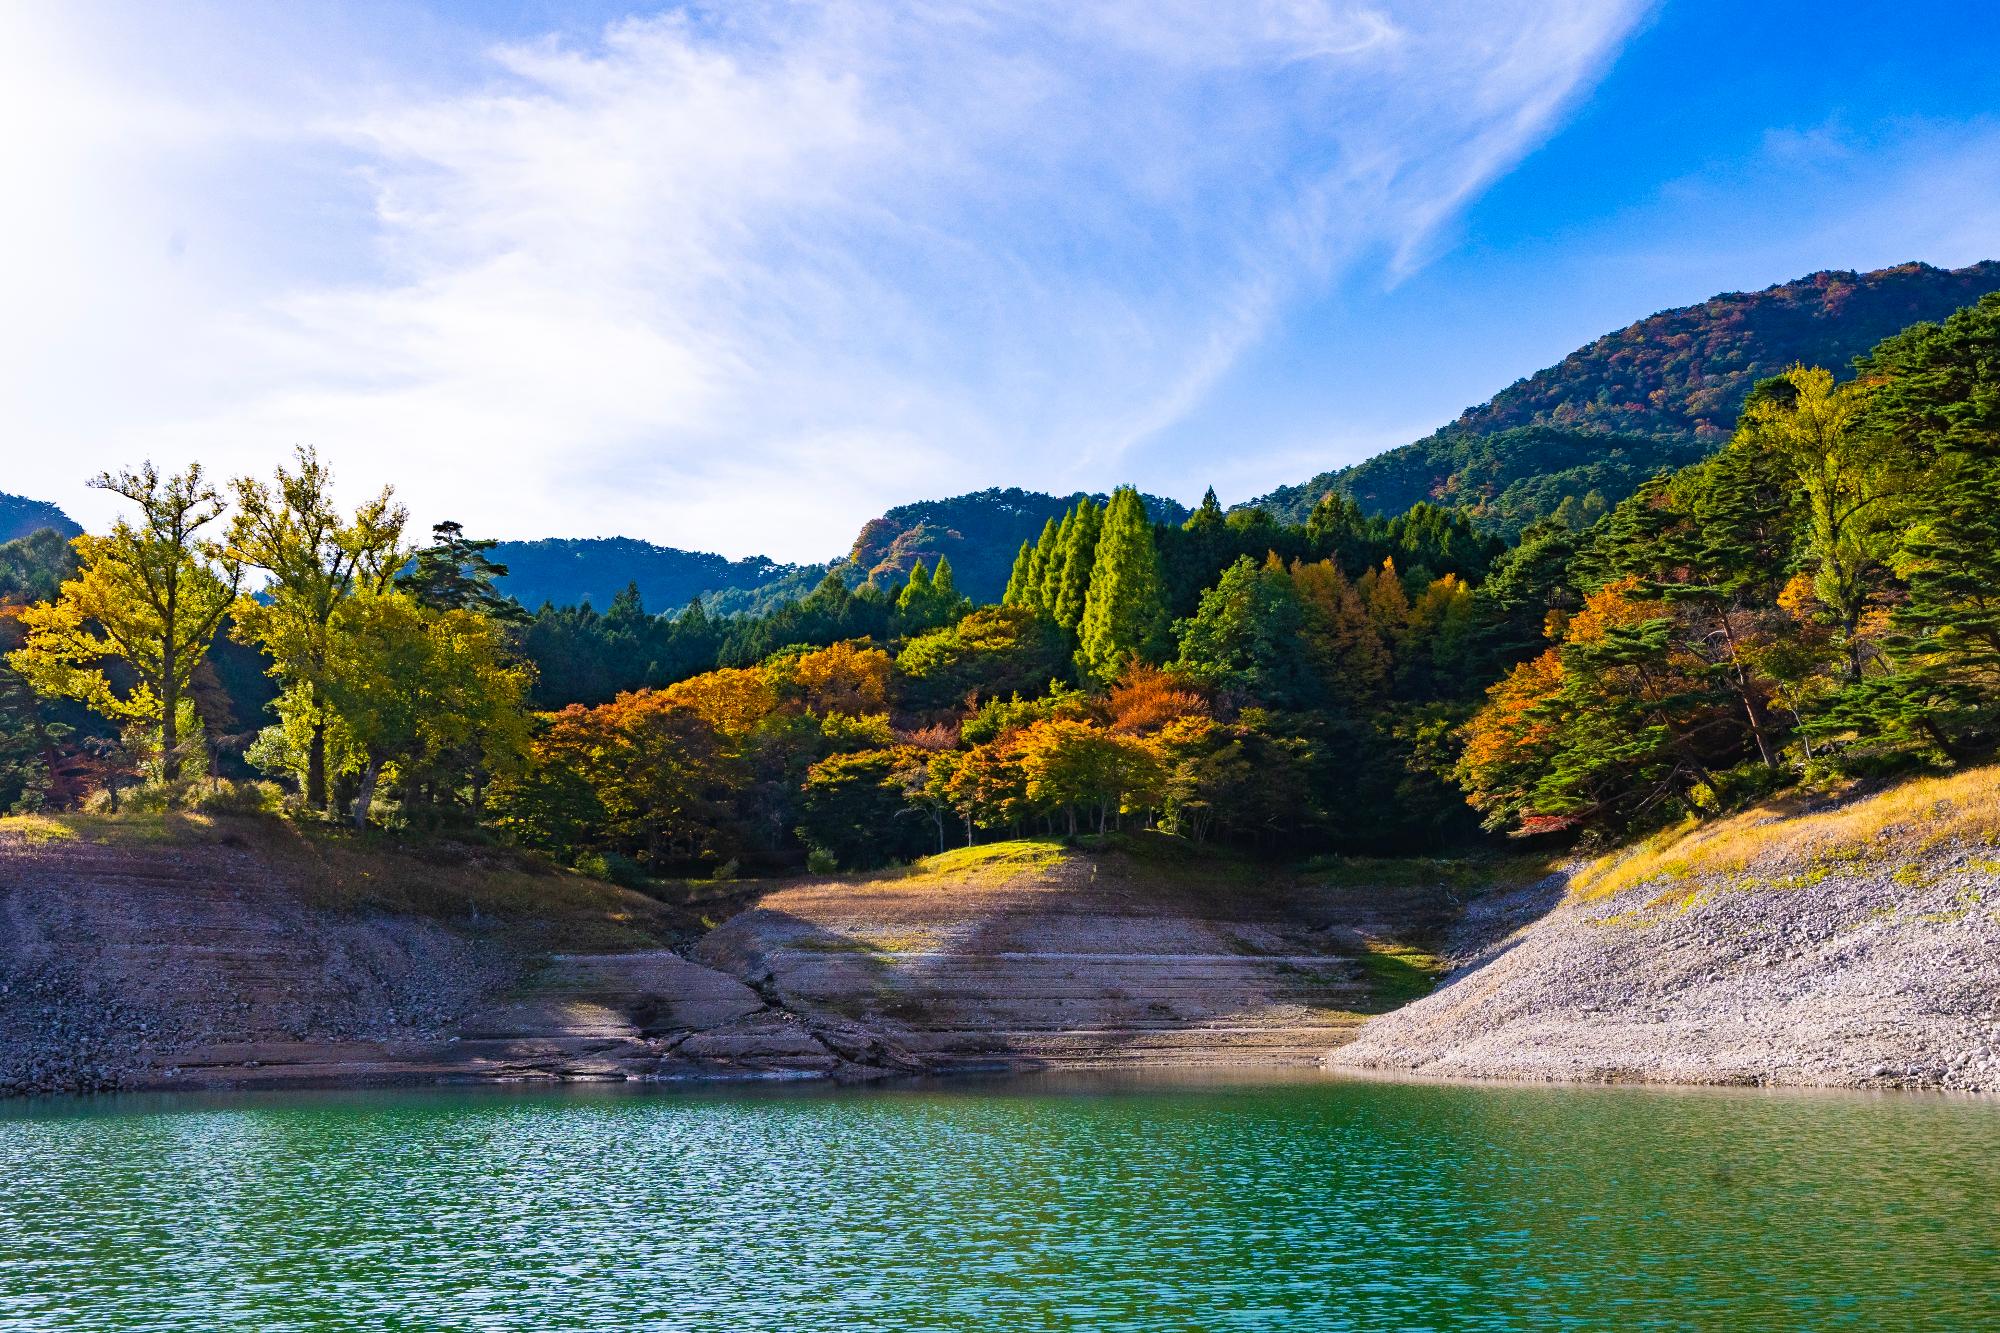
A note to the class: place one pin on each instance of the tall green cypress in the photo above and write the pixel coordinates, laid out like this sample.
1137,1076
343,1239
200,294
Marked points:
1038,567
1052,572
1017,581
1079,554
1124,612
916,594
944,588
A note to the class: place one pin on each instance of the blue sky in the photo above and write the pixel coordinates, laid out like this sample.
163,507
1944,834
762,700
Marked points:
738,277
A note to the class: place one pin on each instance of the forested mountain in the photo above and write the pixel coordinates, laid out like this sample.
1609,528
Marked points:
1655,395
978,533
20,516
570,571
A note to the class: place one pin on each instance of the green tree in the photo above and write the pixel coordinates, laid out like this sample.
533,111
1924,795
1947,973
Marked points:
316,559
147,600
454,573
1124,614
1079,554
431,693
1936,400
1850,482
1248,635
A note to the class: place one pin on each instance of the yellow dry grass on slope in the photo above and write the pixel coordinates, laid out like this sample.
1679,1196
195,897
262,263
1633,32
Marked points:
1779,846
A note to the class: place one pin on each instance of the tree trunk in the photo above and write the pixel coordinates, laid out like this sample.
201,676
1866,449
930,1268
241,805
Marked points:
170,737
365,797
316,760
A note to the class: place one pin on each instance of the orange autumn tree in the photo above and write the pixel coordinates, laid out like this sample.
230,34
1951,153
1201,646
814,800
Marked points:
1618,718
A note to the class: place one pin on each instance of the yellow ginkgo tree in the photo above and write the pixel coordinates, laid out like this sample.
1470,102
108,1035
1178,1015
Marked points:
126,635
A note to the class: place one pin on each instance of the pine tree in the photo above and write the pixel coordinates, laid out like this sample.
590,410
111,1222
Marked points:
1124,613
1079,554
1935,403
1208,516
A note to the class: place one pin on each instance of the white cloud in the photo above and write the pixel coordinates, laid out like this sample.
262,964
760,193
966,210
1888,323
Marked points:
737,278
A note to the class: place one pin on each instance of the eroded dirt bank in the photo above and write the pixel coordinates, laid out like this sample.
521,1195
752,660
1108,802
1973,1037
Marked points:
240,955
1855,946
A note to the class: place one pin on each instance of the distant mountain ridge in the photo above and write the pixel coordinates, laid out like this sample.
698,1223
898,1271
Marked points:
569,571
978,532
20,516
1656,394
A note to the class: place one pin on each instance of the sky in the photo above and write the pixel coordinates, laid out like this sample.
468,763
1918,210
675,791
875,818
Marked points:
738,277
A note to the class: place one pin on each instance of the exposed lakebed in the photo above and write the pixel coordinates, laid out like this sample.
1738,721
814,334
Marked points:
1044,1202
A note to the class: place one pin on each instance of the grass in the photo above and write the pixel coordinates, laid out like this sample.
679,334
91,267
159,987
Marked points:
1398,974
1008,858
1788,845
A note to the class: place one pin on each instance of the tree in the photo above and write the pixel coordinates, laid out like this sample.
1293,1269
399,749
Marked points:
432,693
1850,483
993,652
1936,401
454,573
147,598
1079,554
1071,766
852,809
1248,635
1340,637
290,529
1124,614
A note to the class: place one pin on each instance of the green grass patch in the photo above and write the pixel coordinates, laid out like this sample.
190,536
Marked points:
1398,974
1012,856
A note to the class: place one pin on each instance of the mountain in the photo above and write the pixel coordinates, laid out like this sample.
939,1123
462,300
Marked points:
978,533
20,516
569,571
1654,395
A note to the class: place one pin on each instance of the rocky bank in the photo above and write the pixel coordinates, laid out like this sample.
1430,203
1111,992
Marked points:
1854,945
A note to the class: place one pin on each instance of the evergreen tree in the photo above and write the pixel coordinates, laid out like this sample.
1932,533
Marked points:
1079,554
1123,614
1017,581
1039,561
454,573
1052,571
1936,401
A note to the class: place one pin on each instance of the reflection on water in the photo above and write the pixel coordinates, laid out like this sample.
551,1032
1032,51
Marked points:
1055,1202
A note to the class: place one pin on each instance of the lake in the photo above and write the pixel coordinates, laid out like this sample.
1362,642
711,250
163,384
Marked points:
1038,1203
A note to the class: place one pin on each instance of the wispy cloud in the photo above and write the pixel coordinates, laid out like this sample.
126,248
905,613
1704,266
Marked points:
737,277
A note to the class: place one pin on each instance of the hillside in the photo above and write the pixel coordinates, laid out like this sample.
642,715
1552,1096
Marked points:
1656,394
569,571
1844,944
979,533
20,516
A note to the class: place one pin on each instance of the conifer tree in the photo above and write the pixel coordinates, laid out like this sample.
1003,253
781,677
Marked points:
1038,564
1935,402
1017,581
1079,554
1052,571
1124,613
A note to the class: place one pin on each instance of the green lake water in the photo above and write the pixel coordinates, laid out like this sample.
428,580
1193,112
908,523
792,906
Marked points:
1037,1204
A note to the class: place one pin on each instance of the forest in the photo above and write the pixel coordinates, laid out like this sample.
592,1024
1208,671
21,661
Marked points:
1814,602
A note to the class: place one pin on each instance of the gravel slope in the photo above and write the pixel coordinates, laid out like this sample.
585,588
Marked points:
1877,972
